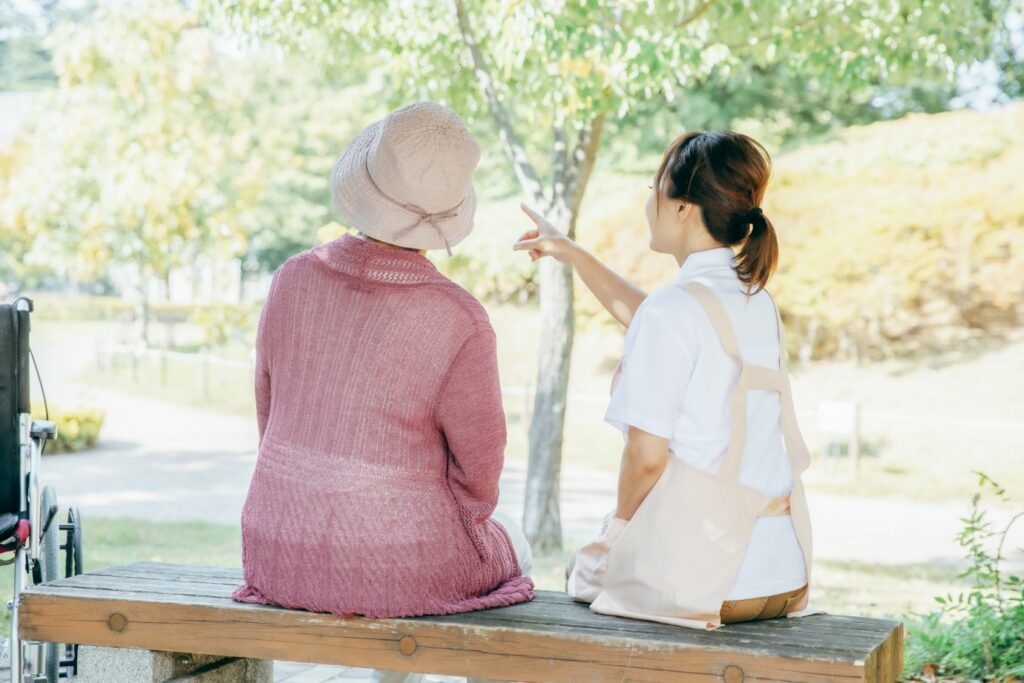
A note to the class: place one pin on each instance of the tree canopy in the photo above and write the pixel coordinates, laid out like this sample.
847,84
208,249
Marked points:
161,147
551,76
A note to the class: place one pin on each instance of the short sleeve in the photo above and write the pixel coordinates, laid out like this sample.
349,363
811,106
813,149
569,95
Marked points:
656,367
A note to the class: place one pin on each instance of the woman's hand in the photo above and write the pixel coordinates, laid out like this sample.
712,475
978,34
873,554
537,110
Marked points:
615,293
545,240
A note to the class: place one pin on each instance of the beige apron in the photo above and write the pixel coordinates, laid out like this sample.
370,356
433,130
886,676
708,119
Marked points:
631,571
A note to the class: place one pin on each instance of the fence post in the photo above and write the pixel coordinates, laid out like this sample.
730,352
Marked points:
204,374
527,406
855,439
842,418
140,348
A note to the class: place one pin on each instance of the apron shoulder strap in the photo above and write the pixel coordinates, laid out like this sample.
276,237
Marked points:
783,351
752,377
719,317
796,448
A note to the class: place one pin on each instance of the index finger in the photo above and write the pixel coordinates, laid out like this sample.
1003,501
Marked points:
536,217
523,245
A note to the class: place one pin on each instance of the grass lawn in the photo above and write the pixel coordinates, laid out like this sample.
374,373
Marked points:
842,587
926,425
118,541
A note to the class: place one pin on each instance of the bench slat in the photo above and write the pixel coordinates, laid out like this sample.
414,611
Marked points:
830,638
142,575
728,639
550,639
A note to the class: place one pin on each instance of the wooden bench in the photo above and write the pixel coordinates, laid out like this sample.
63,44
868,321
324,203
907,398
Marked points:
186,614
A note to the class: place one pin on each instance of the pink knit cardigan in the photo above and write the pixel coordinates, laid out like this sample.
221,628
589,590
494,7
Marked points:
382,437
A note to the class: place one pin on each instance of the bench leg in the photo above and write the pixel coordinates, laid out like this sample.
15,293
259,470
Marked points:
106,664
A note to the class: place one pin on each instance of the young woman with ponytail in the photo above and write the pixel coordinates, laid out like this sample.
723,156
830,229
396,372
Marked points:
711,525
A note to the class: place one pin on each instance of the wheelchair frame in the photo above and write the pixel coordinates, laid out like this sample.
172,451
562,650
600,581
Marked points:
28,530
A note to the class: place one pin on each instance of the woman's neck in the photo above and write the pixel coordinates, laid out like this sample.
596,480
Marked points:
701,242
389,245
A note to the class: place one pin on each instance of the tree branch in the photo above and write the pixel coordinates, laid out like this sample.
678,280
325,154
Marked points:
513,146
695,14
808,21
559,159
583,158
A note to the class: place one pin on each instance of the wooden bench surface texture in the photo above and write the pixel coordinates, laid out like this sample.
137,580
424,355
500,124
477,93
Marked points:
188,608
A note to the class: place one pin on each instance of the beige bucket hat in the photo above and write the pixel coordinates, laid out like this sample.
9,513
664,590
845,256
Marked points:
407,179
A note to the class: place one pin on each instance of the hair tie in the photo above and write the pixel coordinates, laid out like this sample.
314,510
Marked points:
758,224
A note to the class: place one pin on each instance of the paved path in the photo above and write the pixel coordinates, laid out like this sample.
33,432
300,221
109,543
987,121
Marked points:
168,462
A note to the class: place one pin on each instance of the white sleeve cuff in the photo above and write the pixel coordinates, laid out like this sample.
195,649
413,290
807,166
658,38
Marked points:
651,425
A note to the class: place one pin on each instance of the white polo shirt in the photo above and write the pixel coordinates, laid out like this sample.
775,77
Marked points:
676,382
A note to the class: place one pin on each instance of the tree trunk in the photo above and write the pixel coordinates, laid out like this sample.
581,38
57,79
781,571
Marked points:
541,518
807,345
144,314
242,273
570,173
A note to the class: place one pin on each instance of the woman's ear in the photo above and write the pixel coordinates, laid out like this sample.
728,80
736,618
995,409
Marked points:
683,211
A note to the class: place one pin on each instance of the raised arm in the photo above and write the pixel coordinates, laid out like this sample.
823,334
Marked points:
617,294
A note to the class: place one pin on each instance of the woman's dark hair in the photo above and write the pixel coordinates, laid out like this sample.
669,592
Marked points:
725,174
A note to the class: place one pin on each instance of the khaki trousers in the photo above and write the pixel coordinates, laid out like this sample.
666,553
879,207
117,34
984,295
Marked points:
755,609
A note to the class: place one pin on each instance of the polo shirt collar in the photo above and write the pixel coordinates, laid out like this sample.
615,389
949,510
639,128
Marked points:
705,262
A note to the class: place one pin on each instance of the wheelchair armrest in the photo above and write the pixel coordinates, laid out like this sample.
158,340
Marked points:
43,428
8,523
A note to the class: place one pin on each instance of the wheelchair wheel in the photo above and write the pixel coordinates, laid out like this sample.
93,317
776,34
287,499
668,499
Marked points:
50,543
73,565
49,551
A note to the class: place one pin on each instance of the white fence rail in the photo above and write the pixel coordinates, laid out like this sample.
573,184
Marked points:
108,358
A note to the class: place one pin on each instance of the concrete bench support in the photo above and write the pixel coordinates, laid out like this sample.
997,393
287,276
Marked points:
104,664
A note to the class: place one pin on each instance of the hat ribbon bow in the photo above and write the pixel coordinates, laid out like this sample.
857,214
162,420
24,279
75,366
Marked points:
422,215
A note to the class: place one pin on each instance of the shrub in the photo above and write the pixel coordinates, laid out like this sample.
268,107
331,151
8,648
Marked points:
891,244
978,634
56,306
77,429
222,322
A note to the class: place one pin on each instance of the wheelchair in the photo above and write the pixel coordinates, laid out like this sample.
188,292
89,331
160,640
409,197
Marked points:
28,510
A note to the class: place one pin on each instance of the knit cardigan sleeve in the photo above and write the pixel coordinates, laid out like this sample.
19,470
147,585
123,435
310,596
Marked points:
470,414
261,365
262,376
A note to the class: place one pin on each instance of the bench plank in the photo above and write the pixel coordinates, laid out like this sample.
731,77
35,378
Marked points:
188,608
543,611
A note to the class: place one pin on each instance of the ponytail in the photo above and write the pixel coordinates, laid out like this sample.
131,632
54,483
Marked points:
725,173
759,254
